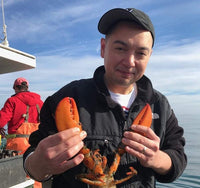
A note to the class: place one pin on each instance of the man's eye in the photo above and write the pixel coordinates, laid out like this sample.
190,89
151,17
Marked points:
120,49
142,53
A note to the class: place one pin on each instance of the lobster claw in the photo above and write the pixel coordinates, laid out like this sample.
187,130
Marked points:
144,118
66,114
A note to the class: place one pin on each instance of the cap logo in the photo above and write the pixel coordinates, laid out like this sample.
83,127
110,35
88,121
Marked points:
129,9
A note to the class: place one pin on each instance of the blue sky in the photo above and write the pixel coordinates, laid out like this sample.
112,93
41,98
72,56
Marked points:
64,38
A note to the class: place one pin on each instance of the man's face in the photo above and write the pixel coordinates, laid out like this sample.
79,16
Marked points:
126,52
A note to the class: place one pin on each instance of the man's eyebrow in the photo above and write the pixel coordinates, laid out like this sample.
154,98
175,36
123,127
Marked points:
144,48
120,42
125,44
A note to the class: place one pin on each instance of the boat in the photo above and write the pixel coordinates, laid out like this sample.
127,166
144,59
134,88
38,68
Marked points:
12,60
12,174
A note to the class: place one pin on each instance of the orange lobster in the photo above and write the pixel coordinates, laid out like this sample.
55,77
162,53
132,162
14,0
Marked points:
99,174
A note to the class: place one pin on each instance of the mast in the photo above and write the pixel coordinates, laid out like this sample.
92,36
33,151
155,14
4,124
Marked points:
5,40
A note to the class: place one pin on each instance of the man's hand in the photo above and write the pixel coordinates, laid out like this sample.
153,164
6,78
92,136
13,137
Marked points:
146,148
56,154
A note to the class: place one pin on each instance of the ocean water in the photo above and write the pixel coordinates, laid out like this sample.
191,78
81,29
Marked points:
191,176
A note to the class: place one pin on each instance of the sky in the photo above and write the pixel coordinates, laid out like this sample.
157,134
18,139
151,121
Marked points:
63,37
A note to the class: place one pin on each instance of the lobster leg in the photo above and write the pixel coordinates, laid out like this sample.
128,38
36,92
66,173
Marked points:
129,176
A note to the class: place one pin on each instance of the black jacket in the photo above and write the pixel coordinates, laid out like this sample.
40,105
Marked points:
104,121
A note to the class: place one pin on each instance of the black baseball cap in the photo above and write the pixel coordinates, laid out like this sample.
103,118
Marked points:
115,15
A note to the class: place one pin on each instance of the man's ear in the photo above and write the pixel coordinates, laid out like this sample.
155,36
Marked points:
103,42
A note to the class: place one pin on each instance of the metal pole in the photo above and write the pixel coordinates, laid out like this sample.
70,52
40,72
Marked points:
5,41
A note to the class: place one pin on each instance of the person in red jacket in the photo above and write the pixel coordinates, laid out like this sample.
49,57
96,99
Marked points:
21,114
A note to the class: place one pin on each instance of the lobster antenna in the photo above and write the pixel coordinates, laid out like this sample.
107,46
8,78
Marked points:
5,40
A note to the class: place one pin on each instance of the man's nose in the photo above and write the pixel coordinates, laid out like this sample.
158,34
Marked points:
130,60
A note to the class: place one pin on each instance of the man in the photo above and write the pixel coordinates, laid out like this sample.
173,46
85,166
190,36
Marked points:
107,105
23,106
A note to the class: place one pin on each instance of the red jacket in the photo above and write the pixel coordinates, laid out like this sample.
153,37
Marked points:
15,107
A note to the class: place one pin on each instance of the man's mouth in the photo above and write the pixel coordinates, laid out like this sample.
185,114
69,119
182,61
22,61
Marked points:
126,72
